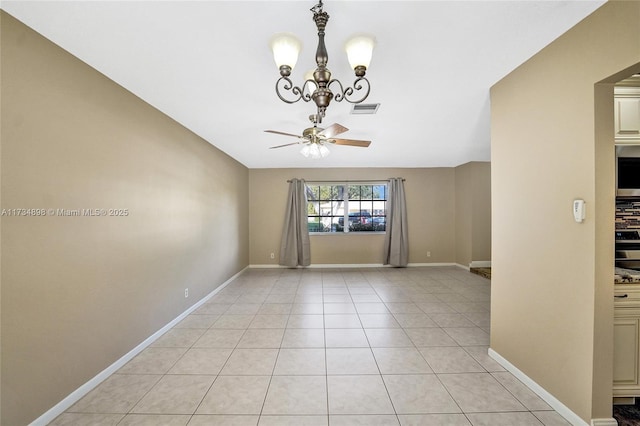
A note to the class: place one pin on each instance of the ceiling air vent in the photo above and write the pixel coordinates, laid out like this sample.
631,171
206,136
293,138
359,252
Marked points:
365,108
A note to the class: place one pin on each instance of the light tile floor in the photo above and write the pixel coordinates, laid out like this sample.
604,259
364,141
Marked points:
377,346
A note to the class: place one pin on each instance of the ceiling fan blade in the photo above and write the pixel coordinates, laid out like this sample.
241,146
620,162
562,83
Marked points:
331,131
350,142
283,133
286,144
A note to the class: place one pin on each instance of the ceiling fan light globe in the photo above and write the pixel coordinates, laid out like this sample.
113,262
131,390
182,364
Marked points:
285,48
324,151
360,50
305,151
314,151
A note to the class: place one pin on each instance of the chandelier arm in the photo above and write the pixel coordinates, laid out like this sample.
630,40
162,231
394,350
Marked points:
345,94
339,96
287,86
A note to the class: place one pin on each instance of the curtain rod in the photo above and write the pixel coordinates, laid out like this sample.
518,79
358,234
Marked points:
348,181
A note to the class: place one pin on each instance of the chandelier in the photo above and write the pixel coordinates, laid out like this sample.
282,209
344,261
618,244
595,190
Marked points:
317,87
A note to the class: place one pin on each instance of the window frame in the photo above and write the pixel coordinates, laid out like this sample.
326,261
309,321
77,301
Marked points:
345,216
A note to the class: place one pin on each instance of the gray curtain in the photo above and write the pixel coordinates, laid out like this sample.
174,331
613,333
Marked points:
396,240
294,248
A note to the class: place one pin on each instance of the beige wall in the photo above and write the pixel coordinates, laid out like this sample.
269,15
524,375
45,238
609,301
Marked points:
473,212
481,212
80,292
463,213
430,195
552,277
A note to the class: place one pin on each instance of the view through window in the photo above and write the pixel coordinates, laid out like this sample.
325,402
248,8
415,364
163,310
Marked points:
344,207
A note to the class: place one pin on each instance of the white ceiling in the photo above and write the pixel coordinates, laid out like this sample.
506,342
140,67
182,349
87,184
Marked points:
207,65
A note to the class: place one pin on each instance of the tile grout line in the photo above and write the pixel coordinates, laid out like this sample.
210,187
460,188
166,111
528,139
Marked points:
384,383
413,293
221,368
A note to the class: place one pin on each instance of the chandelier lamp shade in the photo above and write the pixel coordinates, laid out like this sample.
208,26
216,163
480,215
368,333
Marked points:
286,47
318,86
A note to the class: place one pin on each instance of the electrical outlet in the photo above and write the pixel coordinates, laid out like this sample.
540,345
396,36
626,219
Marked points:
186,292
273,255
428,254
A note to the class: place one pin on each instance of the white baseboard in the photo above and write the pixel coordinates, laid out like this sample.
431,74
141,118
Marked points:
76,395
346,265
562,409
475,264
349,265
320,265
480,264
604,422
419,265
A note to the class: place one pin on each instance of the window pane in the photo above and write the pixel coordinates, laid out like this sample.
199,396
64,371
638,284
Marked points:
366,192
379,208
315,225
326,224
337,225
379,223
312,192
337,208
379,192
313,208
354,192
337,192
324,193
365,208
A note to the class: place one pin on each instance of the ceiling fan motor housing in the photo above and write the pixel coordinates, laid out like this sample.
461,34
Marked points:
311,134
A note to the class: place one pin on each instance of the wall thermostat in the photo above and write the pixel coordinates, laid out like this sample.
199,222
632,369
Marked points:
578,210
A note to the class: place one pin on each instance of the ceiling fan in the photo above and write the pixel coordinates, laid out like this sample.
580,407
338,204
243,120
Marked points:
314,139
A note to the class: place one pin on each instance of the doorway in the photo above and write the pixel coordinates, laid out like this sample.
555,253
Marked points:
626,400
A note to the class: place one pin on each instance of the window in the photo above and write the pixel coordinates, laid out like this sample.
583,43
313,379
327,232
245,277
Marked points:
361,207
